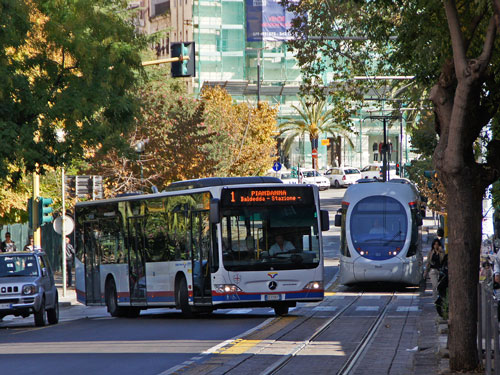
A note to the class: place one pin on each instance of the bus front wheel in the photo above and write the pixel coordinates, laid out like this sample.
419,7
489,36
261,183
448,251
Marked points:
111,299
183,298
281,310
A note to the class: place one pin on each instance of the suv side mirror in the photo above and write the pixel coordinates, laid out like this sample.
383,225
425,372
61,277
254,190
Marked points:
44,272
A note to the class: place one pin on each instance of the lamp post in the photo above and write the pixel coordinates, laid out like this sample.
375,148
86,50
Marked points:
258,69
139,148
384,119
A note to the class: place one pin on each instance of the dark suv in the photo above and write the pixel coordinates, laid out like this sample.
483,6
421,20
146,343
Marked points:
27,287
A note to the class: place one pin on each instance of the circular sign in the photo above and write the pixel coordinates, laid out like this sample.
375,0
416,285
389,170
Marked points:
276,166
69,224
314,153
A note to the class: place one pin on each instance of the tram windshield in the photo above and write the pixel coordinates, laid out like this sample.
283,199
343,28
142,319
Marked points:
379,226
270,237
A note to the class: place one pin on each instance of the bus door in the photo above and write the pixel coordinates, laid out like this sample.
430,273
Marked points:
92,263
201,244
137,265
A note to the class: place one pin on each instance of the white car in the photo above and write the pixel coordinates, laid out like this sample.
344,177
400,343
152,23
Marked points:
287,178
342,176
375,171
311,176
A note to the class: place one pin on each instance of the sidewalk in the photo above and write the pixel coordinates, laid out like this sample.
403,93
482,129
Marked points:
70,298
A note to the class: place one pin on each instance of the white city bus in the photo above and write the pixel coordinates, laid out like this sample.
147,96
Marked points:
202,245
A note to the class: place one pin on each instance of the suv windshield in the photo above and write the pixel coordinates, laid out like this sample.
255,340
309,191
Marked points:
18,265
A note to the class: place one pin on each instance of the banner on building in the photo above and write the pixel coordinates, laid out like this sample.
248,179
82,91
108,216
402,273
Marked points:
267,20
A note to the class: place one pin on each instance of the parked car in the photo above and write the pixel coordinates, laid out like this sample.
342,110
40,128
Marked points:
371,171
342,176
287,178
311,176
375,171
27,287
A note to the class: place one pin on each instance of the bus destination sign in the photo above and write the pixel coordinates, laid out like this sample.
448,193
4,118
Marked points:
264,196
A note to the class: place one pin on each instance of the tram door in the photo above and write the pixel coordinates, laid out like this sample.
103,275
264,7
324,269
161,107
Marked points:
92,263
137,265
200,239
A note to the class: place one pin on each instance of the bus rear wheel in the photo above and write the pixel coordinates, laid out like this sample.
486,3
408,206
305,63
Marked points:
281,310
183,298
112,300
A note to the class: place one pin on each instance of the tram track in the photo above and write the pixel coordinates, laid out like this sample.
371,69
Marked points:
287,358
351,363
335,340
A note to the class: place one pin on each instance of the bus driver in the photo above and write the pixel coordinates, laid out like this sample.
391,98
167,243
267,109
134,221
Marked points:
281,246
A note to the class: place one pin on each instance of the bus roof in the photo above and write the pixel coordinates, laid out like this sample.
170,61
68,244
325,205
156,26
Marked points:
219,181
188,185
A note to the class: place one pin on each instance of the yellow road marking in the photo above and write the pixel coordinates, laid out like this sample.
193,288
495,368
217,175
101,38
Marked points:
240,346
328,294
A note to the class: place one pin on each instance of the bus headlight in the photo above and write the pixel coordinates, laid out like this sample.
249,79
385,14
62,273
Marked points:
29,289
226,288
314,285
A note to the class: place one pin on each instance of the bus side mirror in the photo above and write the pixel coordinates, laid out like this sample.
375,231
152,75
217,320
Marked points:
214,211
338,220
325,220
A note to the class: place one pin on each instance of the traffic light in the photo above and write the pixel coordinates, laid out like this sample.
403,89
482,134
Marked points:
398,171
294,172
184,68
44,210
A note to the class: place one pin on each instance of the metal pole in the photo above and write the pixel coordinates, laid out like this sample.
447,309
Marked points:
63,233
400,145
258,76
37,240
480,292
384,151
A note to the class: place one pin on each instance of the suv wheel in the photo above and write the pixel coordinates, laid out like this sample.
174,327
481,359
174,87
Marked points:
40,315
53,314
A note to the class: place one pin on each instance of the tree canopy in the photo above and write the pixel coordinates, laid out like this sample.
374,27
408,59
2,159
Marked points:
67,69
451,51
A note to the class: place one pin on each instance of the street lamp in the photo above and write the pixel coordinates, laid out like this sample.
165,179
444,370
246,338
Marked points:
258,69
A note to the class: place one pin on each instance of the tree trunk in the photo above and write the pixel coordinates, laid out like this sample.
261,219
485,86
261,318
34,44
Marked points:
464,211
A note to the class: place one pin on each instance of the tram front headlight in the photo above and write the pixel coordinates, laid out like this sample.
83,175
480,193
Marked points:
314,285
227,288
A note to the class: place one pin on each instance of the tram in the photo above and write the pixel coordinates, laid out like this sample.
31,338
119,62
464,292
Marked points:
381,238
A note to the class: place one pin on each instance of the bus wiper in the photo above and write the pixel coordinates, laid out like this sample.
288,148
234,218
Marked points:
398,233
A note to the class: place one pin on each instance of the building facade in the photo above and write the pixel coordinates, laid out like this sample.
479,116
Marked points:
249,67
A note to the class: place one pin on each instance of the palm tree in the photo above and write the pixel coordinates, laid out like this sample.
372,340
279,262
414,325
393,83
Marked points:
314,119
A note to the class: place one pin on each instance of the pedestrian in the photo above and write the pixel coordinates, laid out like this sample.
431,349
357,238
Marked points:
30,246
375,151
435,260
70,257
8,245
389,151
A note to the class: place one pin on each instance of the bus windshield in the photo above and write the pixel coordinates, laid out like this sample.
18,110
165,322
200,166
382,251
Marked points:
278,236
379,226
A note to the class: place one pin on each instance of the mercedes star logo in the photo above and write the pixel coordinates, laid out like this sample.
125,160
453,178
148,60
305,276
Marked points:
272,285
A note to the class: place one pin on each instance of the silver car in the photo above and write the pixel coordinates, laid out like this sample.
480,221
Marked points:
27,287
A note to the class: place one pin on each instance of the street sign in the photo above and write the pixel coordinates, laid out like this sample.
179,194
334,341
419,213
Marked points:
276,166
315,153
325,142
69,224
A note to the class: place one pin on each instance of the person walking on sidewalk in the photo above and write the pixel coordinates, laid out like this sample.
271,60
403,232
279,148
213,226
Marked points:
435,260
70,258
8,245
